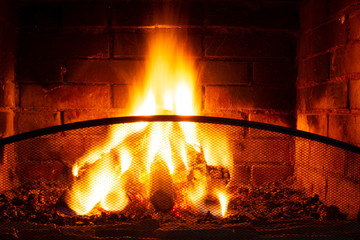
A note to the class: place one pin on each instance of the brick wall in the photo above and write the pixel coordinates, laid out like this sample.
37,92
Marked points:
7,87
79,60
7,65
327,96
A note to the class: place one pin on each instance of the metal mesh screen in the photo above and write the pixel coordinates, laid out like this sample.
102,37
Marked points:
189,151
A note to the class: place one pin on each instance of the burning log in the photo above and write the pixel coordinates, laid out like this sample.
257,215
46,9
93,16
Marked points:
200,171
88,188
208,182
162,191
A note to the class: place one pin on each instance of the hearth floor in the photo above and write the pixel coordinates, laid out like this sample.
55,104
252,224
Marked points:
151,229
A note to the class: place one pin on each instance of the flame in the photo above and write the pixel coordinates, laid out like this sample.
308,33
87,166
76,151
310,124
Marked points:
103,176
92,188
224,201
170,77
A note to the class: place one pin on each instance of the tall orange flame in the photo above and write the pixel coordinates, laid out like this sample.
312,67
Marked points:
169,89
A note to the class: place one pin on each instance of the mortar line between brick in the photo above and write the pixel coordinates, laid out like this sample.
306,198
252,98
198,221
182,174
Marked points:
348,94
111,95
109,29
19,96
327,123
62,117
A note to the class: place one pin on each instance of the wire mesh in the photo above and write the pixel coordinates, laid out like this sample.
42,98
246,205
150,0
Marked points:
205,153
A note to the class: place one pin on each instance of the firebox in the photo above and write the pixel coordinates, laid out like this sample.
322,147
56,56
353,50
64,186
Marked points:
179,176
184,112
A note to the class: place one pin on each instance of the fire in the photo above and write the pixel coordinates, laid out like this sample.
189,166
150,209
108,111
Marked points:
166,150
224,201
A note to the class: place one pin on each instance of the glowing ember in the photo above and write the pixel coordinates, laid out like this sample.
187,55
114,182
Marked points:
155,155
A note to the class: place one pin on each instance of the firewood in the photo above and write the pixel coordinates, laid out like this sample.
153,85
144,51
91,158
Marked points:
162,191
63,207
84,191
162,201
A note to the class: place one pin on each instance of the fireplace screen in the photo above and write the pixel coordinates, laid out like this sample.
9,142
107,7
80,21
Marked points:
184,166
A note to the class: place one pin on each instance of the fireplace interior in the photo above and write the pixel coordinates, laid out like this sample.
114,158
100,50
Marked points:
270,146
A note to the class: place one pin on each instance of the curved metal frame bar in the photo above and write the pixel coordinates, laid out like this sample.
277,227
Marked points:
178,118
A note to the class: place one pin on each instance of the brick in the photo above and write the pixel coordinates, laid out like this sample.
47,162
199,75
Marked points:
353,166
81,146
137,44
30,120
345,60
327,158
121,96
302,99
79,116
45,171
65,96
354,25
344,127
313,182
104,71
133,14
274,15
324,96
344,194
8,34
312,13
314,123
268,132
40,15
304,45
183,13
261,174
266,151
189,39
314,70
328,36
237,97
52,45
336,95
146,13
247,13
7,94
132,44
8,161
251,44
6,123
275,119
337,5
301,103
354,90
302,154
84,14
224,72
231,13
40,70
241,175
282,74
50,148
7,63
